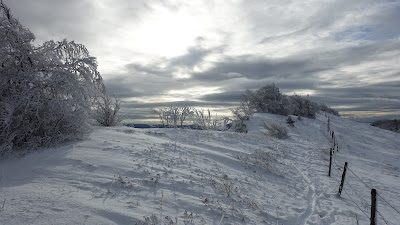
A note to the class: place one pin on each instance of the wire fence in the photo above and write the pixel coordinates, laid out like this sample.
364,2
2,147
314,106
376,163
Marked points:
354,182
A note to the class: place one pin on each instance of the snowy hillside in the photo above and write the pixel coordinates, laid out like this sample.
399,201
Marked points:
166,176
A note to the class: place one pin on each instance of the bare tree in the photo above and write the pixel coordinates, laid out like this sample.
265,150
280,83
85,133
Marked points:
172,115
106,109
160,113
184,112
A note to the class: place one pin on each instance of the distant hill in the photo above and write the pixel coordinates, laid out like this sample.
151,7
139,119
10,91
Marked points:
392,125
145,126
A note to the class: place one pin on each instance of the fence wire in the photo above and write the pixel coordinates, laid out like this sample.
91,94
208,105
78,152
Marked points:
383,218
336,167
388,204
351,199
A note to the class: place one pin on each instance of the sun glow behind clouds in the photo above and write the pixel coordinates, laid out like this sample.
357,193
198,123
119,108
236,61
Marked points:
167,33
195,92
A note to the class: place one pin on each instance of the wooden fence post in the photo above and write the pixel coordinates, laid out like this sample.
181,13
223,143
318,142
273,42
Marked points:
373,206
342,182
330,162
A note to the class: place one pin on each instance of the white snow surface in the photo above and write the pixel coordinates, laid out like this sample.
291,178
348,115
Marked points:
123,175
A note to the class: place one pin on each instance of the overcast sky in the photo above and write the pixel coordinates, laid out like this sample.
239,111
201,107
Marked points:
345,53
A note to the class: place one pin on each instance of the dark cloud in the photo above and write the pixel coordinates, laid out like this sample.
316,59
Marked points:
225,97
194,56
290,74
386,90
123,89
152,69
79,20
250,67
204,104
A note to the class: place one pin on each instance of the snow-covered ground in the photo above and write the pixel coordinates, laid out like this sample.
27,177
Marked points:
124,175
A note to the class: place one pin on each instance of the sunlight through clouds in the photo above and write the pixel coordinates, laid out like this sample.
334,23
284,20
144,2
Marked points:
162,51
194,93
167,33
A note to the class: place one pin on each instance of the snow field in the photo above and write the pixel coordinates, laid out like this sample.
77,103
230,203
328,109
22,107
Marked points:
123,175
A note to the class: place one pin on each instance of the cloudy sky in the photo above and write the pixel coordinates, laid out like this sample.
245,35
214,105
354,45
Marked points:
345,53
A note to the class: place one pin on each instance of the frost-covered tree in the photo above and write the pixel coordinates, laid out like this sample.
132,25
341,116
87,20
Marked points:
328,109
269,99
303,107
173,115
245,108
160,113
46,92
166,115
296,105
184,112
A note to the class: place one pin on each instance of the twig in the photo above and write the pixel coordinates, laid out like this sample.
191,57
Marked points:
1,175
4,202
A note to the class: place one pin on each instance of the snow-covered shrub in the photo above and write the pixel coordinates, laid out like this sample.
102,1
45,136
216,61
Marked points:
205,121
290,121
201,119
239,127
46,92
260,159
268,99
276,130
106,108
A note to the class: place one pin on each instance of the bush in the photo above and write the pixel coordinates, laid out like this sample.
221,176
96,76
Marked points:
290,121
239,127
276,130
46,92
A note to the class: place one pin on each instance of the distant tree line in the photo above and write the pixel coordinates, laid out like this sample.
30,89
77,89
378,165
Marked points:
392,125
177,116
269,99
